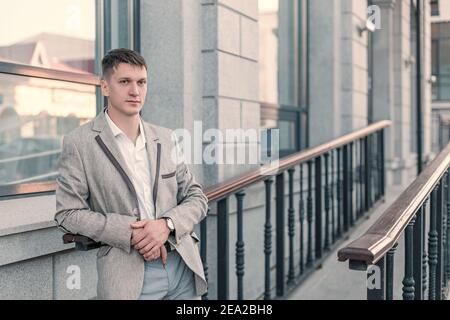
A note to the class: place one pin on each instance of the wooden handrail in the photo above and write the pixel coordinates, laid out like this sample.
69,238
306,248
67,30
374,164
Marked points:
385,232
227,188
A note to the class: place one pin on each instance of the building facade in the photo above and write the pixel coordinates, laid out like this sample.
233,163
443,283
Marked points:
309,68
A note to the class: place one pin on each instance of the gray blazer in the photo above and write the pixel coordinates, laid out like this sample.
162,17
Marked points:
95,198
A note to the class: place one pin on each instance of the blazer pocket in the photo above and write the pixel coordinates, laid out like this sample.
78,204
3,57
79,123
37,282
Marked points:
195,237
168,175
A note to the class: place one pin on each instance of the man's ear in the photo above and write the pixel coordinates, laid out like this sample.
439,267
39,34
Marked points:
105,87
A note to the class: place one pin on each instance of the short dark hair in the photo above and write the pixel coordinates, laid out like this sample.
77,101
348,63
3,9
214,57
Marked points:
116,56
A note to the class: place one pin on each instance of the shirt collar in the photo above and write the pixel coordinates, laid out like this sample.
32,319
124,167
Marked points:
117,131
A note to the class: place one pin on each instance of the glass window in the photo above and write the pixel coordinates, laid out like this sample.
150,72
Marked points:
434,4
34,116
282,38
287,134
54,34
441,60
48,86
278,52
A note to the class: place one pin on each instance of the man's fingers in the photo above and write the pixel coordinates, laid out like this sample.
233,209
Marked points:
147,248
154,253
137,237
143,243
164,254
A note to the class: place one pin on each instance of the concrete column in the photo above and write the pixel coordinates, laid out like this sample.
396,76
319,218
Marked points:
171,44
383,79
325,71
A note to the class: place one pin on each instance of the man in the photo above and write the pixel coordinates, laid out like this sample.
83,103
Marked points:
120,184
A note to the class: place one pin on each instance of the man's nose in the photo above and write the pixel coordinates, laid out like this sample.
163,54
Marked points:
134,90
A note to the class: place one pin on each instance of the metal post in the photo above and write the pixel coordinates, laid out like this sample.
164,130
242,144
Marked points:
222,247
280,233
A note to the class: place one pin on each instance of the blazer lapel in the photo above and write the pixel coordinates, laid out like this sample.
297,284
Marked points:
108,139
154,156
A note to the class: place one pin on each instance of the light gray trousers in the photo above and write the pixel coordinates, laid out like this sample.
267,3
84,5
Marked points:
174,281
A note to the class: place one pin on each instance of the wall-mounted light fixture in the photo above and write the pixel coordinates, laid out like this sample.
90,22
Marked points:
433,79
367,26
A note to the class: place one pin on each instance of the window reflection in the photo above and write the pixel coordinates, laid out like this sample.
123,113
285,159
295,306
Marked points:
279,69
278,30
268,51
441,60
63,40
34,116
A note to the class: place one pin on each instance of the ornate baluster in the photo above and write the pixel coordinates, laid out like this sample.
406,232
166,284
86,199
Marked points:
366,175
432,247
318,207
361,177
327,205
333,222
240,246
267,238
351,213
280,234
291,227
346,194
390,272
302,218
447,251
380,165
223,260
203,250
444,237
418,253
339,194
309,206
440,248
425,255
408,281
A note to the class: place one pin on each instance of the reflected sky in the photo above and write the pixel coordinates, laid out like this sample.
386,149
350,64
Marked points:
73,18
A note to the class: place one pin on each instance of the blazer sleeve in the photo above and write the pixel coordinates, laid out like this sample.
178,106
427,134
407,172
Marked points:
192,202
73,213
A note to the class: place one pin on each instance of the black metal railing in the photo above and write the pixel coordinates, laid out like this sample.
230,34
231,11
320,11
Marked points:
421,211
339,182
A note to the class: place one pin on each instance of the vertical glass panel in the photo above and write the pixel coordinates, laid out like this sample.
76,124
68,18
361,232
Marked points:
268,50
441,60
444,56
34,116
278,60
120,24
288,135
54,34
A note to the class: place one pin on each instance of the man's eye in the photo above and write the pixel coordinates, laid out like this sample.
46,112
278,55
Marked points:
124,81
142,83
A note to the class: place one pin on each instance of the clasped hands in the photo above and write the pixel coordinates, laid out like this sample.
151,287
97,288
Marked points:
148,237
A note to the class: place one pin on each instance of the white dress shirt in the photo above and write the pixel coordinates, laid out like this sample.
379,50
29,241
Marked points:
136,159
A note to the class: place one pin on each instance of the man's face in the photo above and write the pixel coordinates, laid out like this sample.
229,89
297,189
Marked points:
126,88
